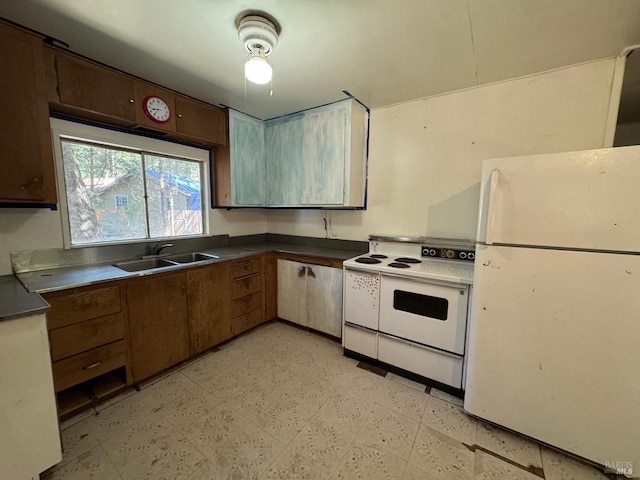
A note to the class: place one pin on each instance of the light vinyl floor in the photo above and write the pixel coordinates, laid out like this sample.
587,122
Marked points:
283,403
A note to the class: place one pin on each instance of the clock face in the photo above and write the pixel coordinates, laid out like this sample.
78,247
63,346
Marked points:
156,109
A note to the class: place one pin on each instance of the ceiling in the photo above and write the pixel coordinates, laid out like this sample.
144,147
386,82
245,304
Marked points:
382,51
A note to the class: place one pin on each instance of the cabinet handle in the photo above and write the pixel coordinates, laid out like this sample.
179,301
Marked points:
302,271
311,273
179,115
93,365
131,100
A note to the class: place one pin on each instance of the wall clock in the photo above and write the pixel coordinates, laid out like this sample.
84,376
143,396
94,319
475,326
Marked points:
156,109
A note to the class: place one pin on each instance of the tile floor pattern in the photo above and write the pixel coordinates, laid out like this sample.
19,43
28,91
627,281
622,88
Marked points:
283,403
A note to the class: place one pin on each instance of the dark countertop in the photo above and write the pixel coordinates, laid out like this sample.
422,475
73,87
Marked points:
49,280
16,301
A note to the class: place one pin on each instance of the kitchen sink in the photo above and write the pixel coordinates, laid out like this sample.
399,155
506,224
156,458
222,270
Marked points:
191,257
146,264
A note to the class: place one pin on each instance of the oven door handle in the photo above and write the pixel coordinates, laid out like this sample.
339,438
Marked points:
461,286
359,327
419,345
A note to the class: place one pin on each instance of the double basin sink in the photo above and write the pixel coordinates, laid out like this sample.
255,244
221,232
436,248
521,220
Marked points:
162,262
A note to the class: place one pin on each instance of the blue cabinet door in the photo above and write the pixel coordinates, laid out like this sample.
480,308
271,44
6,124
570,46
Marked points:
285,170
324,155
246,136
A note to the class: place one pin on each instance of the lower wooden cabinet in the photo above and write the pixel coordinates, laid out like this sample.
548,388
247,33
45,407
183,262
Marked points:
87,329
209,300
107,336
158,331
247,294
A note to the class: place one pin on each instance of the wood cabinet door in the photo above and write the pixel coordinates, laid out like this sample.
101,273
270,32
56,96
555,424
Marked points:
246,143
324,299
209,307
292,291
27,172
158,329
283,152
201,121
97,89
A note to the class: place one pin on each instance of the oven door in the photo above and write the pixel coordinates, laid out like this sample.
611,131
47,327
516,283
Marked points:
424,311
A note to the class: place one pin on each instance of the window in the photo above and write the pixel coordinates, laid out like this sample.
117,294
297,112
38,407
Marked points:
117,187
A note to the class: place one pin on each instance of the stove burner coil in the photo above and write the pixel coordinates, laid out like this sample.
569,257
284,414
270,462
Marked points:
408,260
378,255
398,265
368,260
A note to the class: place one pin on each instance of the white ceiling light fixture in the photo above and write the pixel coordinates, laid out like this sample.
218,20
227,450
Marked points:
259,37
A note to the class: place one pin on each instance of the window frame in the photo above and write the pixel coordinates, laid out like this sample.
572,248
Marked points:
110,138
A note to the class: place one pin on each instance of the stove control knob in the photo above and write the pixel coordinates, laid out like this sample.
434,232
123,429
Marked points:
463,255
450,254
471,255
432,252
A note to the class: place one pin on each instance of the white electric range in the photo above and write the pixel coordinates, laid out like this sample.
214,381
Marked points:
406,303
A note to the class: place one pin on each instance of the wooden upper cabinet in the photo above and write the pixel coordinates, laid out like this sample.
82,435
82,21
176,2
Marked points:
200,121
144,90
94,88
50,75
26,171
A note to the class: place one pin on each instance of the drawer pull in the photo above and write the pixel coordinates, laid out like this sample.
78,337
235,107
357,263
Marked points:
93,365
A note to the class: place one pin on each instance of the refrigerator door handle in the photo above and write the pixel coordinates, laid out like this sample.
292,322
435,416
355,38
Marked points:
491,210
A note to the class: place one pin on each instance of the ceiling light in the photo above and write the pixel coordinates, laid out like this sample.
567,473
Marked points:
257,68
259,37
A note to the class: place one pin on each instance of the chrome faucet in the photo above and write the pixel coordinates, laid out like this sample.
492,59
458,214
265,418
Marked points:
157,248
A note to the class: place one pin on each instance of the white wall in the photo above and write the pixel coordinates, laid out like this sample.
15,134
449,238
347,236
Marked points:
425,155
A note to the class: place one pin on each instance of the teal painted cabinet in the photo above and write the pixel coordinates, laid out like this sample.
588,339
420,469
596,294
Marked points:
317,158
283,149
314,158
246,138
325,132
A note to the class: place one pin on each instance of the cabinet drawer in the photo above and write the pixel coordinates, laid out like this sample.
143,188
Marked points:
243,305
84,336
245,267
246,286
440,366
78,306
360,340
87,365
247,321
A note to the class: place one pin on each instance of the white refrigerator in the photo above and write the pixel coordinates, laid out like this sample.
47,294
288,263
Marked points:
554,335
